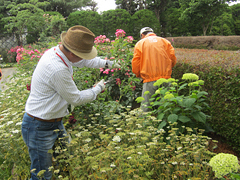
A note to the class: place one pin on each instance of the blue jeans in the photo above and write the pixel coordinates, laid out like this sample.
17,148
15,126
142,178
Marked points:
40,137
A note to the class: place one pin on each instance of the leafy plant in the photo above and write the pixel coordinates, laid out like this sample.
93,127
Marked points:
182,102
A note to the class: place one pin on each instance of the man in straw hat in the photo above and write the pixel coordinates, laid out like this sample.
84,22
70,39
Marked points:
53,89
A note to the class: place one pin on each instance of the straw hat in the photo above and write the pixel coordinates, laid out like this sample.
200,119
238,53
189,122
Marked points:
80,40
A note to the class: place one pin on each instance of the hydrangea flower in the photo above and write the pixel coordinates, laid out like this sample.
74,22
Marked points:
116,139
160,81
223,164
190,76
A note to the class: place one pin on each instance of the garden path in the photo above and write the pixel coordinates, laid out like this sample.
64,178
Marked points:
7,74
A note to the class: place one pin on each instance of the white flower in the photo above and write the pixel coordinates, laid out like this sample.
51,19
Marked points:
15,131
19,123
129,157
112,165
179,148
116,139
87,140
9,122
139,153
174,163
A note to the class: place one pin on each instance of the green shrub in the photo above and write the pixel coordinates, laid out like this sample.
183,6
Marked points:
115,19
90,19
144,18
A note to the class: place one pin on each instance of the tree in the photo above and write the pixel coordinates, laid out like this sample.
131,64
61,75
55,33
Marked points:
144,18
90,19
115,19
223,24
67,6
202,11
236,17
175,26
25,16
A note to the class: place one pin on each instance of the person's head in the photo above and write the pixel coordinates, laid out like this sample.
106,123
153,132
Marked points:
144,31
78,43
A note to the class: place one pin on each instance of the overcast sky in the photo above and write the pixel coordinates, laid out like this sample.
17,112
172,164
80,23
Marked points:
104,5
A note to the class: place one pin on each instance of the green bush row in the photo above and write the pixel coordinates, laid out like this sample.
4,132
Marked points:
222,86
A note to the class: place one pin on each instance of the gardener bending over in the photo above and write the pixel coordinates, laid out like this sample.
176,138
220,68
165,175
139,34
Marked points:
154,58
53,89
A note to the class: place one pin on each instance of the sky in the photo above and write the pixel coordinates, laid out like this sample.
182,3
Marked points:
104,5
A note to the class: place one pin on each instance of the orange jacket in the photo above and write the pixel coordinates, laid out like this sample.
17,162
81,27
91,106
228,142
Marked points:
154,58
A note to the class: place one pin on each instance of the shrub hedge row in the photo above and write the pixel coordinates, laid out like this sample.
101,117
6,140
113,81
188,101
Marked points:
222,82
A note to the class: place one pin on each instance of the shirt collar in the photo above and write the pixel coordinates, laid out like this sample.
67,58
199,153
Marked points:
150,34
57,50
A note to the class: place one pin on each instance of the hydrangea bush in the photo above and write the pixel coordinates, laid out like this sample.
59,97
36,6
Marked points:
223,164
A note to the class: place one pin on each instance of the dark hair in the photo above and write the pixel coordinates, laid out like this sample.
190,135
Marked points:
66,49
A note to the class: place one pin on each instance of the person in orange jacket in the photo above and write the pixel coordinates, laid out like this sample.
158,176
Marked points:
154,57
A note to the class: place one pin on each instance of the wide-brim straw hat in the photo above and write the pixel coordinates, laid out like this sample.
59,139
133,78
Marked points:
80,41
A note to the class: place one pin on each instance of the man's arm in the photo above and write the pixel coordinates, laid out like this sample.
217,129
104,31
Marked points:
136,62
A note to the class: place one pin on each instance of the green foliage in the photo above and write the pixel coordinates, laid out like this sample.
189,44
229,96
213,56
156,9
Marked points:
115,19
176,26
111,140
183,102
24,16
65,8
202,12
90,19
144,18
220,73
223,25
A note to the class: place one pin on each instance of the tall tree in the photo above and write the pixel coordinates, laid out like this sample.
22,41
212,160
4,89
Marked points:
203,12
67,6
236,17
24,16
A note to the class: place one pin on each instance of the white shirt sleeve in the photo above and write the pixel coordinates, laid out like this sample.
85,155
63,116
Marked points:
96,62
67,89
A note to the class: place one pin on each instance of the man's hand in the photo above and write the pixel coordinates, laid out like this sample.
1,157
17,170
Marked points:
101,84
113,64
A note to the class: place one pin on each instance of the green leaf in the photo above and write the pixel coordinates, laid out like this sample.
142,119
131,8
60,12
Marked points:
139,99
182,86
160,116
172,118
189,102
162,124
175,110
199,116
184,119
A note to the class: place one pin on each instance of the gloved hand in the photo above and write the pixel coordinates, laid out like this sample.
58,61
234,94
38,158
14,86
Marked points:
100,84
113,64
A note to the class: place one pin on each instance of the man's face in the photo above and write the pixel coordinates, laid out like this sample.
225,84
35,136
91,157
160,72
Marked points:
75,58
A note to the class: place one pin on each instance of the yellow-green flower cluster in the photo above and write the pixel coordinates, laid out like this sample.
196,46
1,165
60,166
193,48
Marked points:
168,95
196,83
162,80
190,76
223,164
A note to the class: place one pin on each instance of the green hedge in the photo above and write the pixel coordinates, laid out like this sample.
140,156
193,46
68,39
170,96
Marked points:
222,85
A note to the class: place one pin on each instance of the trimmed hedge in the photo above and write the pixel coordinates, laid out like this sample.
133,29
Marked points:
207,42
221,75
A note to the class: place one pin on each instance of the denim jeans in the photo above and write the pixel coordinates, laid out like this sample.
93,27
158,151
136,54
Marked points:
40,137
